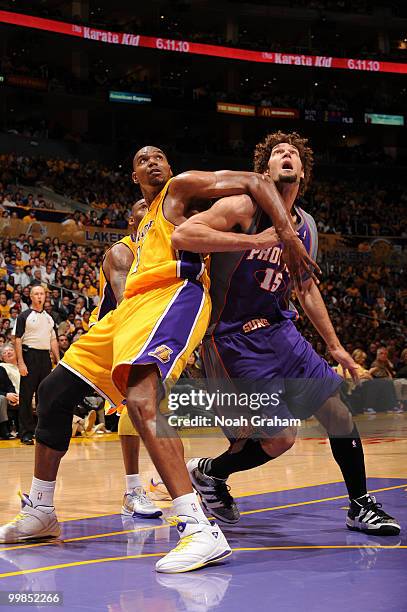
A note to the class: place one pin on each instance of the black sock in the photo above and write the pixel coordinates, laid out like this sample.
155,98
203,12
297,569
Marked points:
348,454
250,456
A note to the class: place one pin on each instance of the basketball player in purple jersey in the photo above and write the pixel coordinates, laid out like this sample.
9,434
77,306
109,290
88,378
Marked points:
252,338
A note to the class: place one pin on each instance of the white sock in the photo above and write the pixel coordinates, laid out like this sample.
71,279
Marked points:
132,481
188,505
42,492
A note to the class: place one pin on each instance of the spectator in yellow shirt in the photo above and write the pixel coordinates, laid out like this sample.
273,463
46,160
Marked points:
4,307
30,218
89,290
85,320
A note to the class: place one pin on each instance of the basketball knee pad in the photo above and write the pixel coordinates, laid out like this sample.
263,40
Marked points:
58,395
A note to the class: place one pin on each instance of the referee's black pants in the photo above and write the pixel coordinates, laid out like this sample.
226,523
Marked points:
38,364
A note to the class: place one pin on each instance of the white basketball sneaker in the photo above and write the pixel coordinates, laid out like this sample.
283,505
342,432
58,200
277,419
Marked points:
137,503
200,544
30,524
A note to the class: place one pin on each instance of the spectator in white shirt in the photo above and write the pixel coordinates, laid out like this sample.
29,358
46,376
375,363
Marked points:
9,359
49,274
13,316
38,265
21,241
8,200
25,253
19,277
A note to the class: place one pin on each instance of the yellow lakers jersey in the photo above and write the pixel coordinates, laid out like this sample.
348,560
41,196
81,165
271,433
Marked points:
156,262
107,300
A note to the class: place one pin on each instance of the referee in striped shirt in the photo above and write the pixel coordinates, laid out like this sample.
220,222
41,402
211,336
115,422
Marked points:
35,338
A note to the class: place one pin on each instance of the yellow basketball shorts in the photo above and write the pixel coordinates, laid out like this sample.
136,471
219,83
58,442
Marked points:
161,326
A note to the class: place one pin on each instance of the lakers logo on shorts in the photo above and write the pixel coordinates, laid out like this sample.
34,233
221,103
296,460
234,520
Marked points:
162,353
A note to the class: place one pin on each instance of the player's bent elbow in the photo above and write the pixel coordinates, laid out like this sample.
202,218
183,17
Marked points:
181,239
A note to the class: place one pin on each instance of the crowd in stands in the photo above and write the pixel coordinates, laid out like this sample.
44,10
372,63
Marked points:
108,192
351,207
358,208
68,272
367,303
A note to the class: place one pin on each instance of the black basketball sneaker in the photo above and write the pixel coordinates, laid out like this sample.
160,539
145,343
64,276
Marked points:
365,514
214,493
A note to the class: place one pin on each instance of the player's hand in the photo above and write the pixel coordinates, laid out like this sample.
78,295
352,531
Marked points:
266,239
298,261
345,360
22,368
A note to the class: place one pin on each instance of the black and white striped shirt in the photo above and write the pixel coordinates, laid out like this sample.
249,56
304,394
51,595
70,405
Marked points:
36,329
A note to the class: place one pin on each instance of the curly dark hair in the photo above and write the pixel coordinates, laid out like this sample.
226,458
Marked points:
263,150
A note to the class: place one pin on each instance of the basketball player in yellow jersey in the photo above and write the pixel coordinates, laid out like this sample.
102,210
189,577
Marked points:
145,344
115,267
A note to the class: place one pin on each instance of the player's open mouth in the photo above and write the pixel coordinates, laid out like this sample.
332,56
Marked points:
155,171
287,165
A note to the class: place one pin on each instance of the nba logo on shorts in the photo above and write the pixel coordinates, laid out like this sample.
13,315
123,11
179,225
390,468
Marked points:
162,353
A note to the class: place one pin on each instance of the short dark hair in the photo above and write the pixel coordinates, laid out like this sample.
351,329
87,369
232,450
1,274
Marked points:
263,151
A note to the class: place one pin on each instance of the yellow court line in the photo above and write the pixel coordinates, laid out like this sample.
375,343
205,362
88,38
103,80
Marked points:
161,554
78,563
249,494
137,530
317,501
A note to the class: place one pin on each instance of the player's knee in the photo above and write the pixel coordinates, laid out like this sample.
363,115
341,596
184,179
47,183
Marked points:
142,411
335,417
281,443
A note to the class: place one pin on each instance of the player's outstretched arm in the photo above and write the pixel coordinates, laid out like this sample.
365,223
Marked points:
211,230
311,301
116,267
194,185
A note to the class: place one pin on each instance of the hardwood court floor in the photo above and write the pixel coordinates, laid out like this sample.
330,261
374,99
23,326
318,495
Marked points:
91,478
291,549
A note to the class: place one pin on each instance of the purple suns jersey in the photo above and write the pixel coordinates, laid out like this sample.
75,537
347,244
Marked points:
251,289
